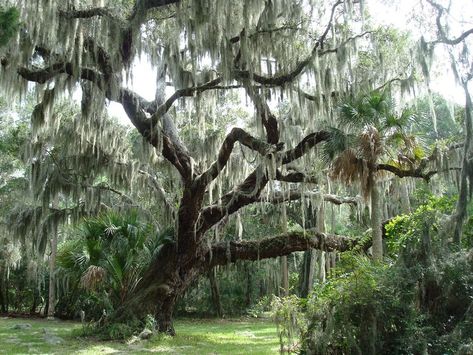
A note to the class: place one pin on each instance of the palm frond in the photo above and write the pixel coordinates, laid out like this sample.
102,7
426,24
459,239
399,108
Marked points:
93,277
370,144
339,141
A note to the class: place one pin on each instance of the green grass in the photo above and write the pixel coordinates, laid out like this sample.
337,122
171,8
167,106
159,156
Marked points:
194,337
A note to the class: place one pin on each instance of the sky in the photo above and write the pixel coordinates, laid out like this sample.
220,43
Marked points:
397,13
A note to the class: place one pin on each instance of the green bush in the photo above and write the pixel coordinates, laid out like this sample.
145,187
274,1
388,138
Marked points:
360,311
287,314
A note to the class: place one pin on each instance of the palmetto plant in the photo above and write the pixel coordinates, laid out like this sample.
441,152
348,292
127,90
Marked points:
108,255
369,130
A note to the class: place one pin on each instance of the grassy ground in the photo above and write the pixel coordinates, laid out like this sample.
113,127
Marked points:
194,337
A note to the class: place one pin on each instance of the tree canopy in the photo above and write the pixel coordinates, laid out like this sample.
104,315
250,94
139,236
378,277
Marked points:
249,97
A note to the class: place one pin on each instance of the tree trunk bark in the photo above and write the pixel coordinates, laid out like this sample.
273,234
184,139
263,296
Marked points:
405,201
34,304
321,271
3,293
309,259
215,293
284,266
52,276
307,273
248,285
376,219
7,297
164,316
461,209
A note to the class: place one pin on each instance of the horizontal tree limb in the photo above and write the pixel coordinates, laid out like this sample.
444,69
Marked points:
295,177
87,13
402,173
141,7
281,197
284,244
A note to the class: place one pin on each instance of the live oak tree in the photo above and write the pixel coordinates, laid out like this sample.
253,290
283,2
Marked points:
302,53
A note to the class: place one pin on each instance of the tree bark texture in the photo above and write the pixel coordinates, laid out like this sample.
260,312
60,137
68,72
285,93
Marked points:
284,265
306,275
467,168
376,219
215,293
52,275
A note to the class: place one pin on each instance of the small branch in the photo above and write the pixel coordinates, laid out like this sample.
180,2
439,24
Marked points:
417,173
281,79
307,96
162,109
236,135
236,39
348,40
341,200
443,36
268,119
387,83
141,7
306,144
159,189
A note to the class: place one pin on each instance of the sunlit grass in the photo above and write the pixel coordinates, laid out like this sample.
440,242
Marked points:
193,337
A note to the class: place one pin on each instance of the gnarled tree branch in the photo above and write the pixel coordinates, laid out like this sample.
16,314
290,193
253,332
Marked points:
236,135
281,79
305,145
441,30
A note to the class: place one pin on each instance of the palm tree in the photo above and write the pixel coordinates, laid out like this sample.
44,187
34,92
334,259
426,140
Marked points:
109,255
369,130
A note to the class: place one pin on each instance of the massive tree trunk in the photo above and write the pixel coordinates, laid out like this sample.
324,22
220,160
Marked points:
169,277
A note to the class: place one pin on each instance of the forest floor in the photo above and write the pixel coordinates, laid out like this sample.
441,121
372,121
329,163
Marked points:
40,336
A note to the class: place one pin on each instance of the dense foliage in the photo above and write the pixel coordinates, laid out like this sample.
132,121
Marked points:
420,302
9,24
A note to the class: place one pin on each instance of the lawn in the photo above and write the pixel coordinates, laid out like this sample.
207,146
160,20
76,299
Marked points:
39,336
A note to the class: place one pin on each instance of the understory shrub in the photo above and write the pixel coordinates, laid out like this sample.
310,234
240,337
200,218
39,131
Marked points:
419,304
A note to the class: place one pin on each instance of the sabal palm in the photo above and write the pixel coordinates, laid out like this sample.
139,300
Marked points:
368,128
110,254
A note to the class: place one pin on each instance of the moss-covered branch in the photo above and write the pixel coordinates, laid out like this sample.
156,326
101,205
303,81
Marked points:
284,244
